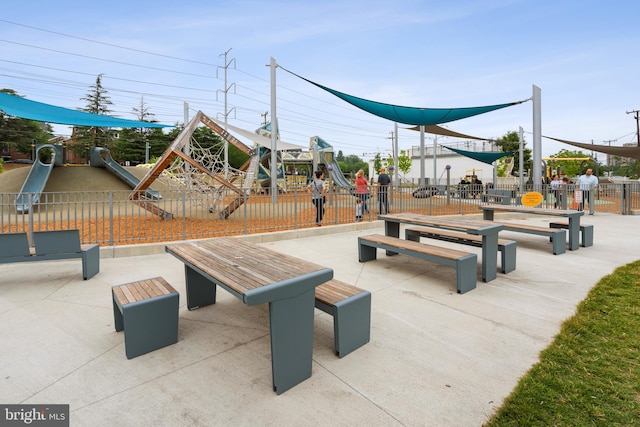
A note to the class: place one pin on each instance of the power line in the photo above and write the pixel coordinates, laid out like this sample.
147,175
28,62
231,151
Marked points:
107,44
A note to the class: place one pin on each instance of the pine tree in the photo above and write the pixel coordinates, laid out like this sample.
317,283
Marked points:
97,102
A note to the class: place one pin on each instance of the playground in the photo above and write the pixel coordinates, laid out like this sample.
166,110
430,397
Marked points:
435,357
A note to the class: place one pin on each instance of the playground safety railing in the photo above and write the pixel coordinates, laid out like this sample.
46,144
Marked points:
111,218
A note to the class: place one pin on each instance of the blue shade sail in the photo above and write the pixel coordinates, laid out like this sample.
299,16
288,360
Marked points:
487,157
410,115
25,109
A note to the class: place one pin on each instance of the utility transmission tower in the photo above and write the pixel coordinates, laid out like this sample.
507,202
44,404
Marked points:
226,110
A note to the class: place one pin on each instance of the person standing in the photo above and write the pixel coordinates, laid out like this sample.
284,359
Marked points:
362,189
586,183
383,192
358,210
555,189
318,190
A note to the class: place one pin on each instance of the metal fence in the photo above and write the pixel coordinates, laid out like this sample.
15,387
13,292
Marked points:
112,218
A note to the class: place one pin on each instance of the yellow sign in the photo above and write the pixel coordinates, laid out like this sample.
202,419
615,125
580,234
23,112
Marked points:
532,198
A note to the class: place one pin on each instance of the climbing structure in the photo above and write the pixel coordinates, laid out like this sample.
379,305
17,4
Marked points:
200,169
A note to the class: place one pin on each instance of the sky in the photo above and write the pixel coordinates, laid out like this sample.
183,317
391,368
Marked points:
164,55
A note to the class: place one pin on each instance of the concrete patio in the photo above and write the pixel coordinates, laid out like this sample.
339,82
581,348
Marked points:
436,358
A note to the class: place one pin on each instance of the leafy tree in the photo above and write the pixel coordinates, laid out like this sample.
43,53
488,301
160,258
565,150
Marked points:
502,165
340,156
571,167
158,142
131,143
377,163
129,146
97,102
511,142
352,163
22,133
404,162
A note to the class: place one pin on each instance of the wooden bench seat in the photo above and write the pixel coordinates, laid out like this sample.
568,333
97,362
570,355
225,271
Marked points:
50,246
350,307
147,311
465,263
558,237
506,247
586,232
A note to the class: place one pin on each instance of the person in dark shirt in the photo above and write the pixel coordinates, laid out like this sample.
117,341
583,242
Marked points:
383,192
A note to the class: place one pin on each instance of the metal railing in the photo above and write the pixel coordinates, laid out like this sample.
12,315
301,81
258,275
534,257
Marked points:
112,218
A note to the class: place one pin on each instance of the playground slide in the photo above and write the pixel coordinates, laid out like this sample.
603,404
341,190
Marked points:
338,177
36,180
101,157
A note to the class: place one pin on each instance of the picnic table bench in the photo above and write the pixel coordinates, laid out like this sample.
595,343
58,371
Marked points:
487,230
50,246
507,248
350,307
465,263
558,237
573,216
257,275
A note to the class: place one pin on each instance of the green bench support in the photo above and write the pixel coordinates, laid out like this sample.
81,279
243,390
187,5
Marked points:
350,307
147,311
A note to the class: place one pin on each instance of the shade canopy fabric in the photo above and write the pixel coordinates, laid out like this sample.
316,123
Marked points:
256,138
438,130
410,115
632,152
487,157
25,109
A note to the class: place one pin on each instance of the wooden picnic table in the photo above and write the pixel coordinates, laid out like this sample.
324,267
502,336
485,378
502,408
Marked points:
487,229
258,275
573,216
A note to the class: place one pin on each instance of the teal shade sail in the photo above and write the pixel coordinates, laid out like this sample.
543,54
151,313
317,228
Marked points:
410,115
481,156
25,109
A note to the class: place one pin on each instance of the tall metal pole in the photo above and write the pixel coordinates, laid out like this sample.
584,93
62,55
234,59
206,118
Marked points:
395,154
187,145
537,139
521,159
274,134
435,160
421,156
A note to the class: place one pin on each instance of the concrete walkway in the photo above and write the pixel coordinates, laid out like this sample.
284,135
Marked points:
435,358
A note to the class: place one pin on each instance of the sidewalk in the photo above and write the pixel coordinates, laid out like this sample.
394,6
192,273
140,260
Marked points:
436,358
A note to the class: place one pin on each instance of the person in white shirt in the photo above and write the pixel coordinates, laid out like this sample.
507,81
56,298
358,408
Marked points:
586,183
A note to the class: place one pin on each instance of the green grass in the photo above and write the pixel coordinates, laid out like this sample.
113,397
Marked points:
590,374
